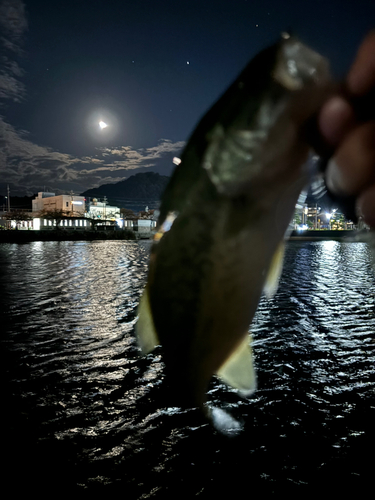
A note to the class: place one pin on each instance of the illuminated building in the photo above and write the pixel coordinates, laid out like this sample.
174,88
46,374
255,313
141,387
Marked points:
70,204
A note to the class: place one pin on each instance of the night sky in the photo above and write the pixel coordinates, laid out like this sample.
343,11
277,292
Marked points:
149,69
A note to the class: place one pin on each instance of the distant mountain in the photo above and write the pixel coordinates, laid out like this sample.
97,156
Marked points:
135,192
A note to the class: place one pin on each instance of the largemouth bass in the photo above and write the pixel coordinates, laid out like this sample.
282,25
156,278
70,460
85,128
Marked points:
223,218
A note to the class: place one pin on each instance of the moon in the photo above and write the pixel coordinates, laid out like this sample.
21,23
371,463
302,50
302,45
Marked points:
102,125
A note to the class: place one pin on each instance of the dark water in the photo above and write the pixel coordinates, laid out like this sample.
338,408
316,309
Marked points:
81,412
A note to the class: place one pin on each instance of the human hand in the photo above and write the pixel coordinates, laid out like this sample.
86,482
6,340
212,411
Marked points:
351,171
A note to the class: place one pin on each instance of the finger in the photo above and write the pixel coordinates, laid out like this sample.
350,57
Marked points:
361,77
352,167
335,120
366,205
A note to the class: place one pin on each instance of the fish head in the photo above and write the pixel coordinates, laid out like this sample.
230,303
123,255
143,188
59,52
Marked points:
297,65
263,115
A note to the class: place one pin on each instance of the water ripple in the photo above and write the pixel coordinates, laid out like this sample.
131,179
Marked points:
84,411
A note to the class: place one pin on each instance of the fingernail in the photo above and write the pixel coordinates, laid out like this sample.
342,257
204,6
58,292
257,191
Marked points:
334,180
335,119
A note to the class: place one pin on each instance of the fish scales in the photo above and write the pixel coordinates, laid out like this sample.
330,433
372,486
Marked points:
223,217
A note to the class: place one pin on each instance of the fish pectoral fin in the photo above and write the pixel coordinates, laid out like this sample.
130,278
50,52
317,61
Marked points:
238,370
145,329
274,271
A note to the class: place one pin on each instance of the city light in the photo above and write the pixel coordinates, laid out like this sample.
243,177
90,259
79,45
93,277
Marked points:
36,224
330,215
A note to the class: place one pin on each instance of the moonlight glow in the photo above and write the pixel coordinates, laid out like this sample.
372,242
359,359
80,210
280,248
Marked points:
102,125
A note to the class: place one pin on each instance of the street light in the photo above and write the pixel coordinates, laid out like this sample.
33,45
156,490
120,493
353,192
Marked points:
330,215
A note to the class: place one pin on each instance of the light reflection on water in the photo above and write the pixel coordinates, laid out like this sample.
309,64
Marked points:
84,410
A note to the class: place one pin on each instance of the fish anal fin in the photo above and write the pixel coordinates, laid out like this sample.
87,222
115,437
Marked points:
274,271
145,329
238,370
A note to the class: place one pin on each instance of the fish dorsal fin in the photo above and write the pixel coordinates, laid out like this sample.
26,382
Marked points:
238,370
274,271
145,329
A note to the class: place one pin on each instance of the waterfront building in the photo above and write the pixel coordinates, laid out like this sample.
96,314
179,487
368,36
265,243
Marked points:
143,225
70,204
67,223
102,210
311,216
29,221
143,228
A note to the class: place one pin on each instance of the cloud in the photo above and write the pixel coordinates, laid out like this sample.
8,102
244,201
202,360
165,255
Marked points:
32,167
29,167
13,24
128,158
10,87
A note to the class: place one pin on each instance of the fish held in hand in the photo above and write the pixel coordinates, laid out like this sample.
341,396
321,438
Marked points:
223,217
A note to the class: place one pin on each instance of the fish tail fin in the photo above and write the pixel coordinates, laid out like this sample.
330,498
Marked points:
237,371
223,421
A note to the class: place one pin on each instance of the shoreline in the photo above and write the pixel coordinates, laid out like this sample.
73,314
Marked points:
22,236
326,234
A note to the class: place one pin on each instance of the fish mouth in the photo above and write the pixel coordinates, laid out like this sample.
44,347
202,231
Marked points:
298,65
